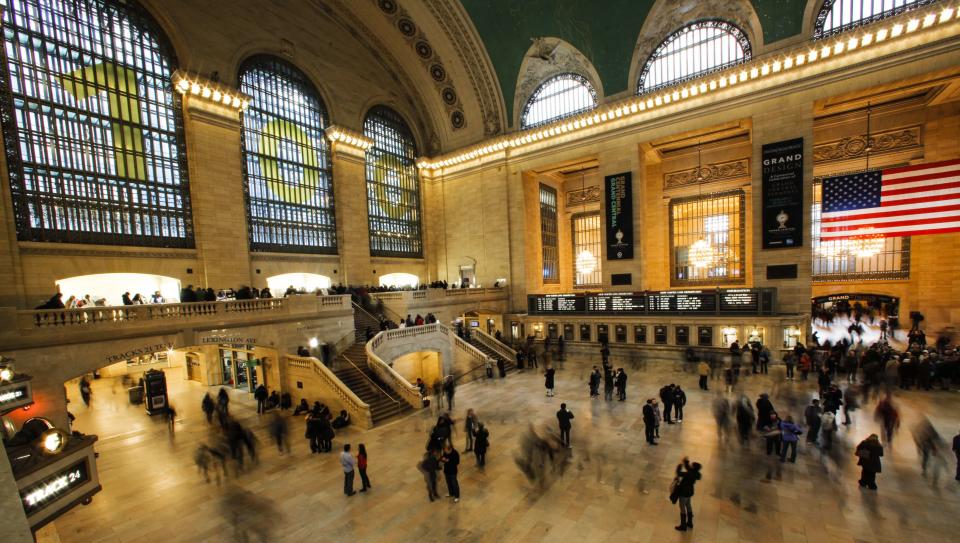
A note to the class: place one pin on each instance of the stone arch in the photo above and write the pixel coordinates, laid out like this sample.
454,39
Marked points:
668,16
546,58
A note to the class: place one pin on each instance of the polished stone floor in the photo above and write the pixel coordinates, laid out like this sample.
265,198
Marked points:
615,487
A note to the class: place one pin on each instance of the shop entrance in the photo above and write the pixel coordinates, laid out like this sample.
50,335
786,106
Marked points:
193,367
239,366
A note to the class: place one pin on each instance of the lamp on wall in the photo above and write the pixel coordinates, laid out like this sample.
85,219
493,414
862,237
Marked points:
586,261
701,253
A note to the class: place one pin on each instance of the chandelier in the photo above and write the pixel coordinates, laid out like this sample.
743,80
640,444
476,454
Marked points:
701,254
867,246
586,262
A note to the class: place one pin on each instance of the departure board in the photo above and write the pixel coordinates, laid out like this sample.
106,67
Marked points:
756,301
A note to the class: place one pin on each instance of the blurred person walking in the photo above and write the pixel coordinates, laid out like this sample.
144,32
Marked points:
481,444
869,452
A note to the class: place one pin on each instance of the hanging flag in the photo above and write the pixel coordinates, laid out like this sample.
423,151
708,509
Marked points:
907,201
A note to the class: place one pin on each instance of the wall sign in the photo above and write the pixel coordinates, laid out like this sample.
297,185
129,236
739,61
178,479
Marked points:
738,301
148,349
47,490
782,179
618,194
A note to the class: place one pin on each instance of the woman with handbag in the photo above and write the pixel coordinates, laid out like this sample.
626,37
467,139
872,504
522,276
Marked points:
868,454
682,491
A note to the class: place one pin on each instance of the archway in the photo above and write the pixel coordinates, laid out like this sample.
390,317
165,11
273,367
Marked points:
108,288
301,282
399,280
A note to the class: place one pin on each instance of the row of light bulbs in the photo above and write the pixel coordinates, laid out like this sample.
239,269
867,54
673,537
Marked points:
349,137
876,33
196,86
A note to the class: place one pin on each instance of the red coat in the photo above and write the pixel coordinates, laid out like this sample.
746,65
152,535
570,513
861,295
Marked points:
362,461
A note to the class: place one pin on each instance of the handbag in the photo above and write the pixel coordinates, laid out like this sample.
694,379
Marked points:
673,490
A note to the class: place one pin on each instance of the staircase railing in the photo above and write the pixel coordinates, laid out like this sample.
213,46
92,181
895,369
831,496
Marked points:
396,402
387,375
358,409
495,345
476,354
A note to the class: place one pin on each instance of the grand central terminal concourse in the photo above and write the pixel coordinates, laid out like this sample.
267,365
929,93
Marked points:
480,271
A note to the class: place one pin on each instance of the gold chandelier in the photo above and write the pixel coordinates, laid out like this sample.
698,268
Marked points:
586,262
701,254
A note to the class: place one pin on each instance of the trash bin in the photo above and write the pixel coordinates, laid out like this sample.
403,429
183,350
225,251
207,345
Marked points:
136,395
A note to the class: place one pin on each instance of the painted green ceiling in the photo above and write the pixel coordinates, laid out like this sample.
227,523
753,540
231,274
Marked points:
605,31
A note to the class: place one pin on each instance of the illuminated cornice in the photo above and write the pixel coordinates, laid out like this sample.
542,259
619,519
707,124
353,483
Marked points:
339,135
197,86
886,31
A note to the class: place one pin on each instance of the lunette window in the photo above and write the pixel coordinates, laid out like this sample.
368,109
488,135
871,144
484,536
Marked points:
548,235
707,239
837,16
92,125
289,185
696,49
393,186
559,97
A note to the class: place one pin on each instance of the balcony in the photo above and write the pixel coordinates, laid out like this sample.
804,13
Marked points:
443,302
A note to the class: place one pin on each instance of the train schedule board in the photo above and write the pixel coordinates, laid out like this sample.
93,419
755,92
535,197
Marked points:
733,301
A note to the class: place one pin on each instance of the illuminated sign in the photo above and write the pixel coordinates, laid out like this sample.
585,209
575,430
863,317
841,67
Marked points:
46,491
756,301
11,395
15,394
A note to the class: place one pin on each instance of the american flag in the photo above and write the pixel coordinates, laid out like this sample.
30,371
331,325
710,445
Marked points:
907,201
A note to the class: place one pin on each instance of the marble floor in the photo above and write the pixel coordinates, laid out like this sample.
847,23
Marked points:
615,487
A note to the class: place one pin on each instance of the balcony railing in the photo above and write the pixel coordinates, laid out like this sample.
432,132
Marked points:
358,409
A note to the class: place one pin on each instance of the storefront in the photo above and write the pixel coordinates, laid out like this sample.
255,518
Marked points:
239,367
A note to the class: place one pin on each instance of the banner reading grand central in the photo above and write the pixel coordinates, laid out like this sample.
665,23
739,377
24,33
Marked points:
618,195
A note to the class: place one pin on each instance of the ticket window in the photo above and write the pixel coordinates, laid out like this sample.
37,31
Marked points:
705,336
620,333
568,332
660,335
755,335
552,330
640,333
791,337
683,335
584,332
729,335
603,333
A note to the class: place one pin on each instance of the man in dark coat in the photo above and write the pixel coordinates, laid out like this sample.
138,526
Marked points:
666,396
450,460
679,400
260,394
621,382
429,467
812,417
595,383
764,408
869,452
607,383
564,417
649,422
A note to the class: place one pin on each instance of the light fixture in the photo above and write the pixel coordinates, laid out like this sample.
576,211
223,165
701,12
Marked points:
53,441
211,91
6,373
586,262
313,343
701,254
866,245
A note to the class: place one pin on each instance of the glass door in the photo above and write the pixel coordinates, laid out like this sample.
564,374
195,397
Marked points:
226,358
242,374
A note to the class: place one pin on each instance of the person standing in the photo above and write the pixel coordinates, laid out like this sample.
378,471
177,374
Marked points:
470,428
704,370
764,408
260,394
764,359
481,444
812,416
771,433
621,383
605,354
450,388
657,417
85,391
666,396
869,452
362,467
560,347
789,360
314,429
956,452
679,400
501,368
564,417
595,383
607,383
649,422
788,439
429,467
349,464
687,476
450,461
208,406
548,381
279,430
806,364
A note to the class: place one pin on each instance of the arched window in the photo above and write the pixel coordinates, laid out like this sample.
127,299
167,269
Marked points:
837,16
393,186
560,96
696,49
286,160
92,127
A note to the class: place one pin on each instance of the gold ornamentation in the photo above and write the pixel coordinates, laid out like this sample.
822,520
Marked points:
709,173
585,196
890,141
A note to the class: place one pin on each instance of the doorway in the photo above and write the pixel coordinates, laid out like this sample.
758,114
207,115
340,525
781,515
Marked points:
193,367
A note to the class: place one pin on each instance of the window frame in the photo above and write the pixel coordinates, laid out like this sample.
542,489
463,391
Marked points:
175,192
730,28
392,120
549,228
535,98
739,247
594,246
295,77
826,10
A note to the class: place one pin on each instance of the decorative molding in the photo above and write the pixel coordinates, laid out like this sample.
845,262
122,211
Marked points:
283,257
587,195
429,58
889,141
720,171
454,21
105,253
351,141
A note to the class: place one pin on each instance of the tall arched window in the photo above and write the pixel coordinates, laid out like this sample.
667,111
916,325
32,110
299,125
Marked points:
560,96
837,16
286,160
393,186
699,48
92,128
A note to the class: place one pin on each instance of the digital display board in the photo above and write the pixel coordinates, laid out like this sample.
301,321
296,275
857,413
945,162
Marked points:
756,301
47,490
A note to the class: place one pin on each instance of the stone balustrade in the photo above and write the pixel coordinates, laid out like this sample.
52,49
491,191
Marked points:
359,410
494,345
446,303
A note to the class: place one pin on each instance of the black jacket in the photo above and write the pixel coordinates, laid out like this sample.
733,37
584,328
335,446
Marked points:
649,417
870,461
679,397
688,477
564,416
450,462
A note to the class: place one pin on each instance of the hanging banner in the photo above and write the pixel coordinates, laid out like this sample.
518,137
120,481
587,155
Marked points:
618,192
782,180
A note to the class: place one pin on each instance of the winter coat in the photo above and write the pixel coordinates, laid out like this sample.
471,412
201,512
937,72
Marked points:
870,461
